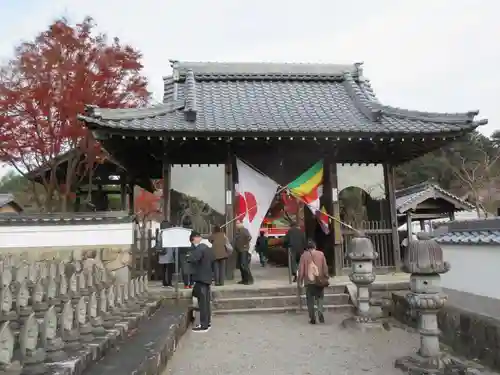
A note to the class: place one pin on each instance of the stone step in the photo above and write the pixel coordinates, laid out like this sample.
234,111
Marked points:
341,309
273,301
269,292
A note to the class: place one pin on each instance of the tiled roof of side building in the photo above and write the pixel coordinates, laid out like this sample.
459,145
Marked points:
410,197
271,97
472,232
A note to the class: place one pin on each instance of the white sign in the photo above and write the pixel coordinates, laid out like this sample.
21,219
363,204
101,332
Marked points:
178,237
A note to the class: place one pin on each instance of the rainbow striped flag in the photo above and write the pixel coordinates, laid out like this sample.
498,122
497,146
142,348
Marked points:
308,187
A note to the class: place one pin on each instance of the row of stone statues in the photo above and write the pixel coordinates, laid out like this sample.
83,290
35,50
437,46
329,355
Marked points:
50,310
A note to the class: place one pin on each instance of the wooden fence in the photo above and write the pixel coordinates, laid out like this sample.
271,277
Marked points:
380,233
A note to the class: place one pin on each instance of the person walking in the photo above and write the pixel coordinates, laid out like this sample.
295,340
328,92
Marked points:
201,258
261,247
313,274
167,260
242,240
222,249
166,256
186,268
295,242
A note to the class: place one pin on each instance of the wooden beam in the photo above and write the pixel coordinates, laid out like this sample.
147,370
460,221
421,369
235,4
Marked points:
229,211
167,176
390,185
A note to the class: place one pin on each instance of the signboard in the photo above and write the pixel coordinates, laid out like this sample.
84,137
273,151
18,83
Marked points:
178,237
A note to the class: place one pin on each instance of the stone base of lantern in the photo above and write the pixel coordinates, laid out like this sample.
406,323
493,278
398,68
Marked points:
444,364
363,323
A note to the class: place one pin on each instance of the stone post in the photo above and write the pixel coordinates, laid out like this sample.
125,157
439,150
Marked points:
361,253
424,260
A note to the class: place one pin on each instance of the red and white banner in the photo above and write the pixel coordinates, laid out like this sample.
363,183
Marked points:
254,194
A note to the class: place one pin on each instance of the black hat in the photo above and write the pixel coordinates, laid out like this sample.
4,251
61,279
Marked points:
194,234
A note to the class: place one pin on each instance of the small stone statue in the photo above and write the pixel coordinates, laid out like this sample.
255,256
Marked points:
73,289
32,274
7,366
61,271
6,312
51,292
62,293
32,357
361,253
424,260
82,284
95,320
54,346
22,298
89,279
6,277
84,326
38,300
110,319
69,332
21,275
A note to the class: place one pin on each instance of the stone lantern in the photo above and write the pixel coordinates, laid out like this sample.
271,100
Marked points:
424,260
361,253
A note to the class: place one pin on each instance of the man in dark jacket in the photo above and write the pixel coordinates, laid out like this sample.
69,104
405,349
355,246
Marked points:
242,240
201,258
295,241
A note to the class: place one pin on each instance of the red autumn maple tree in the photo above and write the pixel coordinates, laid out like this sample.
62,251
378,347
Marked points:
146,205
46,85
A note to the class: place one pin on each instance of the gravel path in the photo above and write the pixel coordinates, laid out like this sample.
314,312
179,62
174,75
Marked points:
266,345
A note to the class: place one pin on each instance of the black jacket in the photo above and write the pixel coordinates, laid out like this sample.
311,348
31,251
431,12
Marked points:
201,259
295,240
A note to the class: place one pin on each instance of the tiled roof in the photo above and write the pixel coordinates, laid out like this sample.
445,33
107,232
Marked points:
473,232
409,198
261,97
83,218
6,199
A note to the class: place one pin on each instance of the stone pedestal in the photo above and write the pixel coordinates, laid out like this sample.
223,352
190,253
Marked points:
13,368
34,362
425,262
361,253
40,308
71,340
55,350
98,329
86,334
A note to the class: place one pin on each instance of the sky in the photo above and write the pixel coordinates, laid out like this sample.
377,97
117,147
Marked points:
426,55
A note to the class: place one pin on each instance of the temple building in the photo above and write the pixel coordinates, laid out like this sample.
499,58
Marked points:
281,119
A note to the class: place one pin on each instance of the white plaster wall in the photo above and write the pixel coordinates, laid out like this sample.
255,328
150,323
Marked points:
370,178
27,236
474,269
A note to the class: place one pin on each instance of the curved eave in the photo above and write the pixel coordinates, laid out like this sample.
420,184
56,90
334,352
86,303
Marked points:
433,193
365,100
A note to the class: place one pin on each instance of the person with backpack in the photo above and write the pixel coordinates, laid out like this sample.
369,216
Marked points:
313,273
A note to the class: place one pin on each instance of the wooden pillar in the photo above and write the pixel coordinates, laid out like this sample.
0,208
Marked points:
390,191
166,175
229,211
332,207
422,225
131,208
123,194
409,227
452,215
